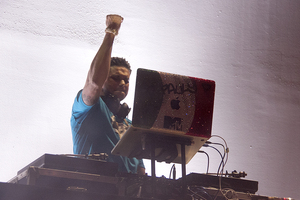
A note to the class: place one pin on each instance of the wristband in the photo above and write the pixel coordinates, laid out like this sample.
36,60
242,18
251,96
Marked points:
113,31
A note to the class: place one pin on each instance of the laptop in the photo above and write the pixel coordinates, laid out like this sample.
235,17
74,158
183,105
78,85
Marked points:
168,109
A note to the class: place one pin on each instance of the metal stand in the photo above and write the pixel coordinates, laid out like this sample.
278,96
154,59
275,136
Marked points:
153,175
183,170
174,140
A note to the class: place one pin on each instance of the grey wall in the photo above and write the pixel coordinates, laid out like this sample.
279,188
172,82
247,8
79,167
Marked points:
251,48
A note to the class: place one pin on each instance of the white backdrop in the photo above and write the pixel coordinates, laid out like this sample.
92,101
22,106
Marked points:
251,48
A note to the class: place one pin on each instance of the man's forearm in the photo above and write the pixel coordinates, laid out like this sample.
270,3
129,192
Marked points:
98,71
100,65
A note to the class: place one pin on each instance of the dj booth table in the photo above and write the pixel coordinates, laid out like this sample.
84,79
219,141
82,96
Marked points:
56,177
10,191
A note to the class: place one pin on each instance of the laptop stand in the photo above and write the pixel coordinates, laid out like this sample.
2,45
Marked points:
153,141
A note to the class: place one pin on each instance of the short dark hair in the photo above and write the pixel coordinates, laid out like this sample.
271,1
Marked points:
117,61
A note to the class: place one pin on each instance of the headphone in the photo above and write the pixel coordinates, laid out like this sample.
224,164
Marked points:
113,103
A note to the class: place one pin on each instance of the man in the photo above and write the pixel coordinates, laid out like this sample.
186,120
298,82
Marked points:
98,120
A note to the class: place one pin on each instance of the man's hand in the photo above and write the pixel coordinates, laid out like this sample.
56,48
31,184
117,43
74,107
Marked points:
113,22
141,171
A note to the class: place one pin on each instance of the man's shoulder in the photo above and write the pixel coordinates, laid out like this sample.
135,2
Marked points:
80,110
79,105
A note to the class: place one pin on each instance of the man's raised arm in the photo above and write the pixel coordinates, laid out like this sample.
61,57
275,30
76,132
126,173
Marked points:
99,69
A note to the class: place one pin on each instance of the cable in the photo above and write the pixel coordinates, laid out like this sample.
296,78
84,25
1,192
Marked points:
229,194
196,193
226,151
226,146
202,190
221,138
222,161
174,172
207,160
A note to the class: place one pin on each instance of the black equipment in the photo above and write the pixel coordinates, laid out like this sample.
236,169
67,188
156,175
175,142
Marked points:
237,184
88,175
94,164
79,172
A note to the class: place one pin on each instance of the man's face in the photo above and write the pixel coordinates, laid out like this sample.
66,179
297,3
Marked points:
117,82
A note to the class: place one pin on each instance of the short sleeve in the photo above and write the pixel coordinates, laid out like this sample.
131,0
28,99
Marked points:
79,111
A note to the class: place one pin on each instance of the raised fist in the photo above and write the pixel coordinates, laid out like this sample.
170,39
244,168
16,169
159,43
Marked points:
113,22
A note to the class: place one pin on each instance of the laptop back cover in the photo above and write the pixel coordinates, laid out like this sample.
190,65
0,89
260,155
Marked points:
175,106
173,102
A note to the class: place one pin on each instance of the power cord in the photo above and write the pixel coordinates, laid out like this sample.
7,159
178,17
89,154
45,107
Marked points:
207,159
173,168
222,163
222,156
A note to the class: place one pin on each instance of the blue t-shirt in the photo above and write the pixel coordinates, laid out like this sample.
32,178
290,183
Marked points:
92,132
